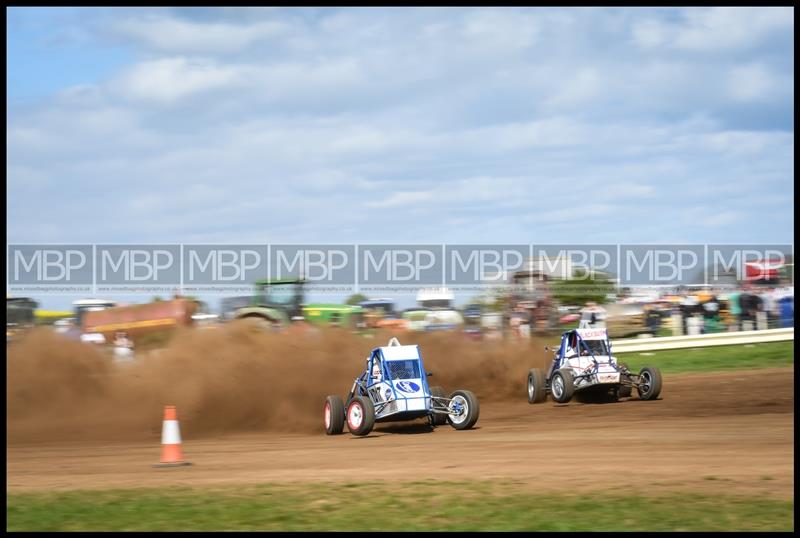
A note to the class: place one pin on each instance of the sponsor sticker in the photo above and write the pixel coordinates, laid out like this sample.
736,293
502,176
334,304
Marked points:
608,378
592,334
407,386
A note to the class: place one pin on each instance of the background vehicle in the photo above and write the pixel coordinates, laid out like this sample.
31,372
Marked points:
381,314
394,387
50,317
82,306
583,363
20,316
138,320
472,321
228,306
626,319
278,301
435,312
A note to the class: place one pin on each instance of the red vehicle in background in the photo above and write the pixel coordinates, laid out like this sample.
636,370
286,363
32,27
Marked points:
138,320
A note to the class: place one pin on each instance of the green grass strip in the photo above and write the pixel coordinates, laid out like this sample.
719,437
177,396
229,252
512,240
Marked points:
712,359
388,506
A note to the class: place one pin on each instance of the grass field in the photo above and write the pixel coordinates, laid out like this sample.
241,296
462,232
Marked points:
710,359
403,507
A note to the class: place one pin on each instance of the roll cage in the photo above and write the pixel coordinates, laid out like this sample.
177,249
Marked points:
367,380
573,343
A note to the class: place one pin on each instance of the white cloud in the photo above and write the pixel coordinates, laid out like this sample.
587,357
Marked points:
178,36
714,219
169,79
650,33
579,88
501,31
714,29
720,28
751,82
401,199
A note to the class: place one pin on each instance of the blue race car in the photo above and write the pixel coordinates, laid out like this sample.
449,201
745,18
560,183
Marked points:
583,363
394,387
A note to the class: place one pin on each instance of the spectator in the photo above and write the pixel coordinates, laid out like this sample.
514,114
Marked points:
750,304
786,309
652,318
688,309
735,308
594,314
123,346
770,306
746,306
710,309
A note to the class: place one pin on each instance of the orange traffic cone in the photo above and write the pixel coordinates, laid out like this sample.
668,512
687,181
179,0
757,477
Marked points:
171,455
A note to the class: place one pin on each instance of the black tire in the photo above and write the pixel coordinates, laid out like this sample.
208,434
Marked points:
469,416
649,386
562,385
438,419
625,391
537,391
360,408
333,413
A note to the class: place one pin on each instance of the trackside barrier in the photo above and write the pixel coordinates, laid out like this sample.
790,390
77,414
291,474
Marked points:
701,340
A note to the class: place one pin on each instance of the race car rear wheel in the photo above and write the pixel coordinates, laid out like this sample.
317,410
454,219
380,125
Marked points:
464,410
536,386
649,386
562,385
625,390
360,416
333,414
438,419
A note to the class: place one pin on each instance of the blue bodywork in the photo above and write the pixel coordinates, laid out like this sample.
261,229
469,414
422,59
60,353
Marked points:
389,392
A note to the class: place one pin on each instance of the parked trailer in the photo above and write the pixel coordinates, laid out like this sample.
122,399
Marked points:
139,319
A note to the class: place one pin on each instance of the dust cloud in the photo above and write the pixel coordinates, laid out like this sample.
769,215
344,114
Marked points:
232,378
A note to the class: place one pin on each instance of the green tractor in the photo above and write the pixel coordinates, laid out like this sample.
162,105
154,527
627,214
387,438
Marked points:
279,302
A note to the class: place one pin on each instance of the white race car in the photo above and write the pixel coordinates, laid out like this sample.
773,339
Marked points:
394,387
583,362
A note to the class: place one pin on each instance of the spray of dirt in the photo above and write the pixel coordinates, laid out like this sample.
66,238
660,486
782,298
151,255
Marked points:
232,378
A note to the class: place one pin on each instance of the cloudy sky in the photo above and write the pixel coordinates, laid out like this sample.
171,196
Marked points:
419,125
400,125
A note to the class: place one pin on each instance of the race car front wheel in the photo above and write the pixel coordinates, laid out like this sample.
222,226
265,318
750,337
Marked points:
360,416
333,413
536,386
463,409
562,385
649,386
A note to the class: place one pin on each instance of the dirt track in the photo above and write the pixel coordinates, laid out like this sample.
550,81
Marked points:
725,432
